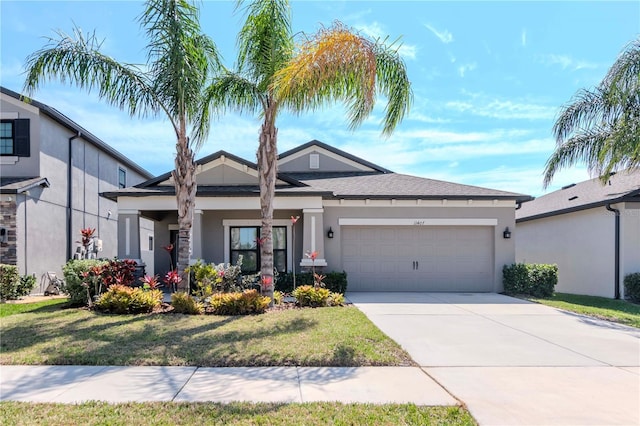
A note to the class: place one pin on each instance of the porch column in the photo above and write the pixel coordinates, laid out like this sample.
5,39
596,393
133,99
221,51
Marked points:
196,236
129,234
313,237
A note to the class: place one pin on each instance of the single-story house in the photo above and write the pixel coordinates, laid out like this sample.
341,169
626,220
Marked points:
388,231
590,230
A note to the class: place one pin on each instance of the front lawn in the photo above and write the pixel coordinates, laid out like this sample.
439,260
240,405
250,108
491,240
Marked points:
163,413
339,336
619,311
7,309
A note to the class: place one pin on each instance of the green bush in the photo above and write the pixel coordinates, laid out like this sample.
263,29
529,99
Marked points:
247,302
333,281
121,299
534,279
73,278
211,278
278,297
307,295
335,299
184,303
632,287
12,285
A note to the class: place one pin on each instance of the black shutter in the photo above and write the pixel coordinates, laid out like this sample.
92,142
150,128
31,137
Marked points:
22,140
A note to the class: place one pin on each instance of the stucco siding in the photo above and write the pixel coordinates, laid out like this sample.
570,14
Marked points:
582,244
326,164
11,108
503,248
629,240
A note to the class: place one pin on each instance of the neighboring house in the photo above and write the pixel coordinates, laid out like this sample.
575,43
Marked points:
591,230
44,202
388,231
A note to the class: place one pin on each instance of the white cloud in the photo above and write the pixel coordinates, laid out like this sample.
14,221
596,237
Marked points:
377,32
523,38
566,62
502,109
462,70
443,35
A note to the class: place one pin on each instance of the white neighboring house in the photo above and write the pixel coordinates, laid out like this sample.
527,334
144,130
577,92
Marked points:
52,172
591,230
388,231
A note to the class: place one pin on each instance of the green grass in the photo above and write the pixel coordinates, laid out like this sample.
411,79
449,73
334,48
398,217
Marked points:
7,309
619,311
306,337
324,413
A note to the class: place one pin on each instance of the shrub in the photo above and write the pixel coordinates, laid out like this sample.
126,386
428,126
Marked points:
211,278
307,295
121,299
535,279
246,302
335,299
184,303
118,272
75,273
333,281
25,285
278,297
632,287
12,285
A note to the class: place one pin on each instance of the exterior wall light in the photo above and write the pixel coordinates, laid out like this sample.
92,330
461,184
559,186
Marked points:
330,233
506,234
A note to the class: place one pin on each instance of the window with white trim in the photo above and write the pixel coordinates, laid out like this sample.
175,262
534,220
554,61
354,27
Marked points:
244,242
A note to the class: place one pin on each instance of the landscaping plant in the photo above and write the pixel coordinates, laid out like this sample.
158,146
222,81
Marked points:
12,284
538,280
121,299
184,303
632,287
315,297
246,302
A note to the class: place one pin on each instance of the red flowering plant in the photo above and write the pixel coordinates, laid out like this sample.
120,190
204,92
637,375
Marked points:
317,278
119,272
87,237
173,279
151,282
267,283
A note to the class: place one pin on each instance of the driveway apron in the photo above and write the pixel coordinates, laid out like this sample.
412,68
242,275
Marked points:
514,362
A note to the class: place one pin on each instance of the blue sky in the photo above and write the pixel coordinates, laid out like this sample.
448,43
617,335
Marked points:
488,77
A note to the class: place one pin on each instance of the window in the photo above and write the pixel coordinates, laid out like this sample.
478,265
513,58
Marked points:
244,241
122,178
14,137
150,243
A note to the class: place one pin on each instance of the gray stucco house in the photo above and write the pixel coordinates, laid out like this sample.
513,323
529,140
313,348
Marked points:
388,231
591,230
52,172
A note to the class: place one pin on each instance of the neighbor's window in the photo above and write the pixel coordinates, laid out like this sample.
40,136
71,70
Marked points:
122,178
244,241
6,138
14,137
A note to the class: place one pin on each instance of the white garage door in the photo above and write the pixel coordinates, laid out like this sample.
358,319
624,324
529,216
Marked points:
425,258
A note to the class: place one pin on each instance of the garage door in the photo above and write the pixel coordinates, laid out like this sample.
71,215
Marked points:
425,258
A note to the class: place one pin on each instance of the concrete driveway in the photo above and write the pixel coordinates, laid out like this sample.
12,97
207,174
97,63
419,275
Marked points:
515,362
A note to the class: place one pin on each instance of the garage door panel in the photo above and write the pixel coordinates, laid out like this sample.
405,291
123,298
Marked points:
379,258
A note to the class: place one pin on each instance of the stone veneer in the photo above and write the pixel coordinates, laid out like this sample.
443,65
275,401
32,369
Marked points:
8,249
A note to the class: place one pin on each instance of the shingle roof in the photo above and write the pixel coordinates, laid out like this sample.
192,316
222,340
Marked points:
17,185
396,185
623,186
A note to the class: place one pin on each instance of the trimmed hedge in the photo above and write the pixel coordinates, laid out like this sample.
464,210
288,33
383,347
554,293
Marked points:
534,279
632,287
334,281
12,284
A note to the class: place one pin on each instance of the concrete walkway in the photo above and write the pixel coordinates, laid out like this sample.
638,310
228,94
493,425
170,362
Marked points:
513,362
74,384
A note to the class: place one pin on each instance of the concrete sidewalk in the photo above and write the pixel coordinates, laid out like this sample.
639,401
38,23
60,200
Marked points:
74,384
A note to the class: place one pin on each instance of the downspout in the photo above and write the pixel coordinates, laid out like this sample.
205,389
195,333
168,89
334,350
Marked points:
69,196
617,250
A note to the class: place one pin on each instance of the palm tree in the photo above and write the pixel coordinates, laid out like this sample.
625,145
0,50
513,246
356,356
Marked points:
601,127
334,64
180,64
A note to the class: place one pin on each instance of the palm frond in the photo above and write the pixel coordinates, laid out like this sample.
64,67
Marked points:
265,41
338,64
77,59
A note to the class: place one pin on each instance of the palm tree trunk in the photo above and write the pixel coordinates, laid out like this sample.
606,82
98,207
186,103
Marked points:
185,183
267,173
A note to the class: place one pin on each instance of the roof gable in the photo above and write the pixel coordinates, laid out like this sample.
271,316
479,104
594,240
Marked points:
318,157
221,169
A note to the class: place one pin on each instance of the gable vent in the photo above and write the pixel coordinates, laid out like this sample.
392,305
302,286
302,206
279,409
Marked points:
314,161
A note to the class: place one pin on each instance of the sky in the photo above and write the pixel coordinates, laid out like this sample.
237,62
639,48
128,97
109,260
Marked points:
488,78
